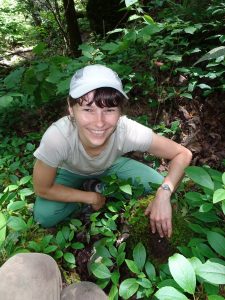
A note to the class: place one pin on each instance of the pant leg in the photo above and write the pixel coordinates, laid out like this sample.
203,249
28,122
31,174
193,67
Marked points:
83,291
48,212
125,167
30,276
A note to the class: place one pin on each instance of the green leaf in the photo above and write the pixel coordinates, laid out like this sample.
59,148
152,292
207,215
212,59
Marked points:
69,257
215,297
39,48
115,277
148,19
25,180
17,224
186,95
190,29
132,266
150,270
183,272
204,86
130,2
169,293
50,248
100,271
139,255
146,283
120,258
217,242
113,293
214,53
77,245
16,205
126,189
200,176
212,272
128,288
223,178
2,228
219,195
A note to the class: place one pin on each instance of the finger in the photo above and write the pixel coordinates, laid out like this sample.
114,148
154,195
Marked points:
153,228
164,226
159,229
169,228
148,210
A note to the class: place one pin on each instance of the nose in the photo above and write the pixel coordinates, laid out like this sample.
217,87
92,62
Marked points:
100,118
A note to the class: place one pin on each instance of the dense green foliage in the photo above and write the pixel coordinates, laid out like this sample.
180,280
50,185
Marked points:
165,54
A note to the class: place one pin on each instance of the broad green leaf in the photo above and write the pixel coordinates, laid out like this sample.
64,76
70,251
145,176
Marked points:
26,192
50,248
60,239
190,29
17,224
219,195
132,266
139,255
212,272
2,228
146,283
25,180
130,2
115,277
186,95
69,257
120,258
215,297
169,293
113,293
183,272
77,245
100,271
58,254
200,176
126,189
214,53
204,86
35,246
148,19
128,288
217,242
223,206
223,178
150,270
205,207
16,205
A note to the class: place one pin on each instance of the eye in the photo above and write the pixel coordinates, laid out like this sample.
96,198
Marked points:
88,109
110,109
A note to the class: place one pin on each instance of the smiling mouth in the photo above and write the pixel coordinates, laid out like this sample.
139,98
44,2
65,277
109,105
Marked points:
98,132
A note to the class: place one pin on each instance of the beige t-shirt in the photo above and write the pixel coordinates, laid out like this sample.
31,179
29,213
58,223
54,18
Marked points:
60,146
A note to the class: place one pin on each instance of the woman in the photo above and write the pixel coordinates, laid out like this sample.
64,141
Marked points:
90,144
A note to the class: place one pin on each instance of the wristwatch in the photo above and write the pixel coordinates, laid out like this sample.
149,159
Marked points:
165,187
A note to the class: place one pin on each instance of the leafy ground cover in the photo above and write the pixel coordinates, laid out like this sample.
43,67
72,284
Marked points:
174,87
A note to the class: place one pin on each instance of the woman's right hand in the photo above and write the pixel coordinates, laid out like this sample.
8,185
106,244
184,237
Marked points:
98,201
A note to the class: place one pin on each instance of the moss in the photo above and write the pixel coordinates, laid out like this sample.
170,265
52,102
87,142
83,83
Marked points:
158,249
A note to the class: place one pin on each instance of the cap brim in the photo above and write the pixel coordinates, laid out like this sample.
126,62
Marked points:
84,89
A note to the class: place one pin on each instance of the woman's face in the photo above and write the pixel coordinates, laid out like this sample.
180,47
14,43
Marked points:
95,125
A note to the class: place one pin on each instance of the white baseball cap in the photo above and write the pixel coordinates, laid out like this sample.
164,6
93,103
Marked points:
92,77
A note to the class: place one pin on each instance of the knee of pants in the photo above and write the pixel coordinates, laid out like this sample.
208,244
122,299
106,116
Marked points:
50,213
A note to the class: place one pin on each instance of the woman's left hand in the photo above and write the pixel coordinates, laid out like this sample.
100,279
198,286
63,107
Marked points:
160,213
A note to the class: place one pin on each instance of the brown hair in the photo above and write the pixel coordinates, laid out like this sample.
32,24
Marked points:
103,97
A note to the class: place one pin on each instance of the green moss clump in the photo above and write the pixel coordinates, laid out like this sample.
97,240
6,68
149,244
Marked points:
158,249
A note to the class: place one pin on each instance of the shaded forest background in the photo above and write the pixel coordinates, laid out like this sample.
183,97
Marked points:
170,56
153,45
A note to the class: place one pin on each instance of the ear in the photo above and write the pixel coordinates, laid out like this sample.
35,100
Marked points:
70,111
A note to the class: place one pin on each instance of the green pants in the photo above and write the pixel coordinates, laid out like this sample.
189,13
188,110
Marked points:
49,213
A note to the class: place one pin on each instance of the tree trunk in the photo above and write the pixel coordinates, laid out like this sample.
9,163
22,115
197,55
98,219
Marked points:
72,27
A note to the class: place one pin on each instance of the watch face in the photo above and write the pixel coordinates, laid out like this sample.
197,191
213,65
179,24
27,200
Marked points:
165,187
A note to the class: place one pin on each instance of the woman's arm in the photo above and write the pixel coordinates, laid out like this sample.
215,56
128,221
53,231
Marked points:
45,187
159,210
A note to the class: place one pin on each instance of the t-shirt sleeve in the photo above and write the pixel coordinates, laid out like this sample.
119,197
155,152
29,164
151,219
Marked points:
52,149
134,136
